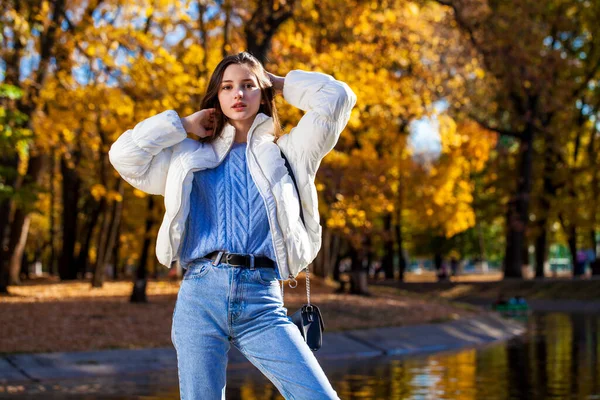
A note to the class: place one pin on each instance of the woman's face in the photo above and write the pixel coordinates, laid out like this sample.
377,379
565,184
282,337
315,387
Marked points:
239,94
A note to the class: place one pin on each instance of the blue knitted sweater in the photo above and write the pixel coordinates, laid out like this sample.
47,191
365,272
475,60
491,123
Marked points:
226,212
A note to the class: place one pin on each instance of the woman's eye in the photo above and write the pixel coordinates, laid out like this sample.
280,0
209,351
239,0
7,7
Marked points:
247,86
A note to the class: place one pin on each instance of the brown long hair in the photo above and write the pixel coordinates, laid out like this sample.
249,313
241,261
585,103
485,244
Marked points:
211,98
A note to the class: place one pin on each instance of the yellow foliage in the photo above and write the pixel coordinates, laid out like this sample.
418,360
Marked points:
112,195
98,191
139,194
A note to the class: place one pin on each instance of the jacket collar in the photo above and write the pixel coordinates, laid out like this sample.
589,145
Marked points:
261,129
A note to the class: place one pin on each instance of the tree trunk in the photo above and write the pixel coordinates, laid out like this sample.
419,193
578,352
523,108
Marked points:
402,261
358,273
325,263
438,261
98,270
263,24
52,264
9,164
139,287
115,255
548,194
227,21
593,156
337,270
388,247
517,213
370,253
481,242
572,240
70,196
202,7
578,267
331,262
342,252
3,277
327,248
541,250
321,259
10,179
18,240
117,211
593,242
93,209
20,225
595,265
103,237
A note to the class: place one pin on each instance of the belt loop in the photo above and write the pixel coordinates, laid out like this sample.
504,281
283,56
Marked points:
251,261
218,259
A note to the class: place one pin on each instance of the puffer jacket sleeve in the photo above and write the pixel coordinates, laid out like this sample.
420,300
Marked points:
327,103
142,155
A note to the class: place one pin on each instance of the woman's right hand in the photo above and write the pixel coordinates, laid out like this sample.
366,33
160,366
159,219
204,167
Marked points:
201,123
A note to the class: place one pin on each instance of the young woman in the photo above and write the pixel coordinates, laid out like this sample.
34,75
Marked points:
233,219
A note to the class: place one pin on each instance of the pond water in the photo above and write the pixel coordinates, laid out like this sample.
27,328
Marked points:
559,358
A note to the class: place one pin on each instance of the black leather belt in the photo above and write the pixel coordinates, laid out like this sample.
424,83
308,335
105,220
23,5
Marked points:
240,260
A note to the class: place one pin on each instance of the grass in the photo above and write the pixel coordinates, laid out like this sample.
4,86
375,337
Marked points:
46,316
492,286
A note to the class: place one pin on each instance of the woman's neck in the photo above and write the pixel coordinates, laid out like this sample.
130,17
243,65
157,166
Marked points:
241,129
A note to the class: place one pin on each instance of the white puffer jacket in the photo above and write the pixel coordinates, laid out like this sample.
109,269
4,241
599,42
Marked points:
157,157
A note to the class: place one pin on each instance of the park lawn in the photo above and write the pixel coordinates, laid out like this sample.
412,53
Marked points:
492,286
49,316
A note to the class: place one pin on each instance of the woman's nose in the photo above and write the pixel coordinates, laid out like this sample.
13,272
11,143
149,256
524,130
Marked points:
239,94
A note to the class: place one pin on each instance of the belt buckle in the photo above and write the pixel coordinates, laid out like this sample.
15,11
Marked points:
218,259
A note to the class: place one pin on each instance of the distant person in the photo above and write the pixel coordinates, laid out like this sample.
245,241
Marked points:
580,260
441,268
233,218
444,272
454,266
377,267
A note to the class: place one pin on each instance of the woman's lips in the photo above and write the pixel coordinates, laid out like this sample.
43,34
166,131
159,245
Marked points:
239,107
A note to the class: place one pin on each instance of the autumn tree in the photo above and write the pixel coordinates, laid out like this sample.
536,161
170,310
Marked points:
532,55
367,184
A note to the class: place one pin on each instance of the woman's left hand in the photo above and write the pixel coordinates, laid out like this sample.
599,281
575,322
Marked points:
276,81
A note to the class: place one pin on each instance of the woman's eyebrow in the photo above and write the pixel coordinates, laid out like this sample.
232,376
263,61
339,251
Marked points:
243,80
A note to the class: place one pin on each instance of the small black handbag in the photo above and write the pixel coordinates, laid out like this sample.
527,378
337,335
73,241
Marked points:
308,318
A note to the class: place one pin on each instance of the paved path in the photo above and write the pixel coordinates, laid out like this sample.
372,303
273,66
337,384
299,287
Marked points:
408,340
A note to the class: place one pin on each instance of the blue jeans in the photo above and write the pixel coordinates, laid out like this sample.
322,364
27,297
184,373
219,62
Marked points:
222,305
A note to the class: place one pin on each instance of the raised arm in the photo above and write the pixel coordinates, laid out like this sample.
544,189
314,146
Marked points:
142,155
327,103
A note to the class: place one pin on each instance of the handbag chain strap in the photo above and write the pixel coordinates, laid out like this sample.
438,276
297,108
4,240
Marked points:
307,287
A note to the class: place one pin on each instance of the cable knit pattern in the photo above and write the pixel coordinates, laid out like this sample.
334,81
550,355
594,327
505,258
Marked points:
227,212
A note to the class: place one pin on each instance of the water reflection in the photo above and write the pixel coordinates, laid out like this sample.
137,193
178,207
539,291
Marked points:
557,359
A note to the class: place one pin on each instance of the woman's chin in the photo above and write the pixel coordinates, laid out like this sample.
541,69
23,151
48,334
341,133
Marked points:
242,116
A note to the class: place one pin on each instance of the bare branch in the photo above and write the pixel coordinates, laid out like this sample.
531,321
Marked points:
499,131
